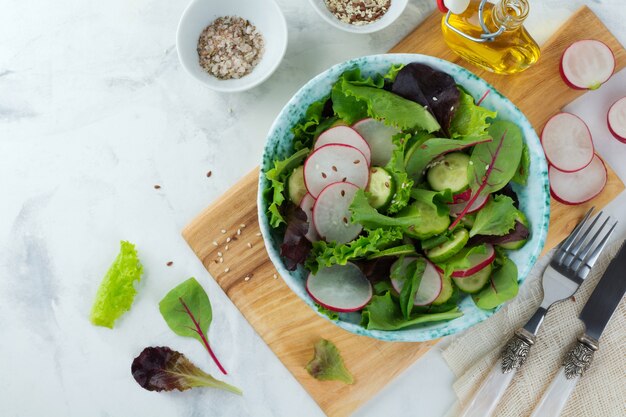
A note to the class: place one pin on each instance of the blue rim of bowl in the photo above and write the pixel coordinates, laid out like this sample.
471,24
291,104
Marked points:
400,335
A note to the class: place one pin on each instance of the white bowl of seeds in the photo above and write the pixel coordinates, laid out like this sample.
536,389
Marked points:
359,16
231,45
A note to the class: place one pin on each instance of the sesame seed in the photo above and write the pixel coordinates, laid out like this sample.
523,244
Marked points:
434,98
223,231
247,278
226,247
258,233
228,240
238,231
471,162
226,269
219,254
452,108
275,276
221,260
487,166
242,225
250,245
215,243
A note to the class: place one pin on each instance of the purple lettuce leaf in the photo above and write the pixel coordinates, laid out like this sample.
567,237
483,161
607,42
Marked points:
520,232
295,247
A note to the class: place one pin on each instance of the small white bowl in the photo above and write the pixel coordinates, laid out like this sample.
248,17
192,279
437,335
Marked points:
264,14
395,10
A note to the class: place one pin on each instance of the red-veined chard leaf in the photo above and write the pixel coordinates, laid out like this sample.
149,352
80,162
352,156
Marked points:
187,311
493,164
502,287
163,369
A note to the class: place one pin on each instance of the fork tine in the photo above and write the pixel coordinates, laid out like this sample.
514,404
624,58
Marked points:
566,244
590,260
580,240
580,254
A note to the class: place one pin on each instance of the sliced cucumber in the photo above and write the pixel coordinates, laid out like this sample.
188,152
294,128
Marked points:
430,222
473,283
434,241
521,217
381,188
451,247
446,291
449,173
295,185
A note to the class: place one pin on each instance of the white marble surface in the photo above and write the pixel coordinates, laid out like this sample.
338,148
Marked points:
94,111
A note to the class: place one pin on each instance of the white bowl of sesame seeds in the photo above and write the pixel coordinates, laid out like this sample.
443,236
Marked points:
366,16
264,16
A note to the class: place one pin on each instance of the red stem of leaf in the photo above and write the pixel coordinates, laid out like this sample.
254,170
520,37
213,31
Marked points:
483,97
202,336
482,185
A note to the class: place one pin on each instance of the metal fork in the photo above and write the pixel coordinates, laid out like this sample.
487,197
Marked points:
568,268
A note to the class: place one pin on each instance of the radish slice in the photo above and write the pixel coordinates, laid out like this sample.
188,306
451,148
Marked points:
587,64
335,163
456,6
580,186
567,142
331,213
344,135
477,262
341,288
306,205
378,135
462,197
430,285
616,119
479,203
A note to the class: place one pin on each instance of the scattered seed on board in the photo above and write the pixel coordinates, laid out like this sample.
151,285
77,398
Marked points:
215,243
247,278
275,276
226,247
238,231
226,269
258,234
242,225
221,260
228,240
223,231
219,254
250,245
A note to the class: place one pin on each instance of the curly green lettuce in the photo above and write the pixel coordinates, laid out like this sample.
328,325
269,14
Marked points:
470,119
275,192
117,291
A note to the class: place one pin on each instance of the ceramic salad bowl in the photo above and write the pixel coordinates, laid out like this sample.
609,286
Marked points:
534,198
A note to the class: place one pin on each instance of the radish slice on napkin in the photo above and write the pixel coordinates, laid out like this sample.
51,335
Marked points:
616,119
580,186
567,142
341,288
587,64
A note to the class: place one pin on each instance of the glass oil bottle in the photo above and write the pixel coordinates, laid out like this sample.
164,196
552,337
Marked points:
492,36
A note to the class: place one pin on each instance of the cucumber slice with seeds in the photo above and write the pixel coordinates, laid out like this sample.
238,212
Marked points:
381,188
451,247
450,172
295,185
446,291
474,283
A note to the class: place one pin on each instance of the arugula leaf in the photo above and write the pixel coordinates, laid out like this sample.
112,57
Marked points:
388,107
275,191
523,170
187,311
117,292
413,220
396,168
326,254
496,218
470,119
163,369
493,164
410,276
418,161
502,287
327,364
462,259
383,313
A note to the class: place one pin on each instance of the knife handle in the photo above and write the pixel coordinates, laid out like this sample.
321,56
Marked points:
514,354
576,362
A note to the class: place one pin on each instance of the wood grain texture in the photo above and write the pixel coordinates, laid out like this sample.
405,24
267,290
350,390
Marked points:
284,321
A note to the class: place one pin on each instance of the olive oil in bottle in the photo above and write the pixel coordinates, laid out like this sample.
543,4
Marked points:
510,48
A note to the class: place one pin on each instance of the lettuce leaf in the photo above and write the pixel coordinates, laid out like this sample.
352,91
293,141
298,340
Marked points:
349,108
275,191
410,275
117,292
163,369
523,170
326,254
392,73
327,364
470,119
295,247
396,168
496,218
351,99
383,313
461,259
311,126
502,286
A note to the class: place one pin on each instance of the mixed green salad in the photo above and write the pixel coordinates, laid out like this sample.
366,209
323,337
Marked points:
397,199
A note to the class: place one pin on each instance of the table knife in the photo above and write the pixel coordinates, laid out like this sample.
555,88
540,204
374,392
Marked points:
595,315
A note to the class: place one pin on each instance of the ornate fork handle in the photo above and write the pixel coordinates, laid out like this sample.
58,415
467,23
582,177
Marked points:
516,351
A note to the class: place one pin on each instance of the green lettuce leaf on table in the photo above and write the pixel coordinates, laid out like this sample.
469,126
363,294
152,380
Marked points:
325,254
383,313
502,286
275,193
496,218
470,119
163,369
117,291
327,364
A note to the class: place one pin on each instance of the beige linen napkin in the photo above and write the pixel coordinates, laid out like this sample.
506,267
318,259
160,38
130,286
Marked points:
600,392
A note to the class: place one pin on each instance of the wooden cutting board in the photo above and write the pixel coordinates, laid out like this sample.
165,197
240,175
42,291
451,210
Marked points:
285,322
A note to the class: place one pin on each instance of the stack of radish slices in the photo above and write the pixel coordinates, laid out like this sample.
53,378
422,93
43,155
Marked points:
577,174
